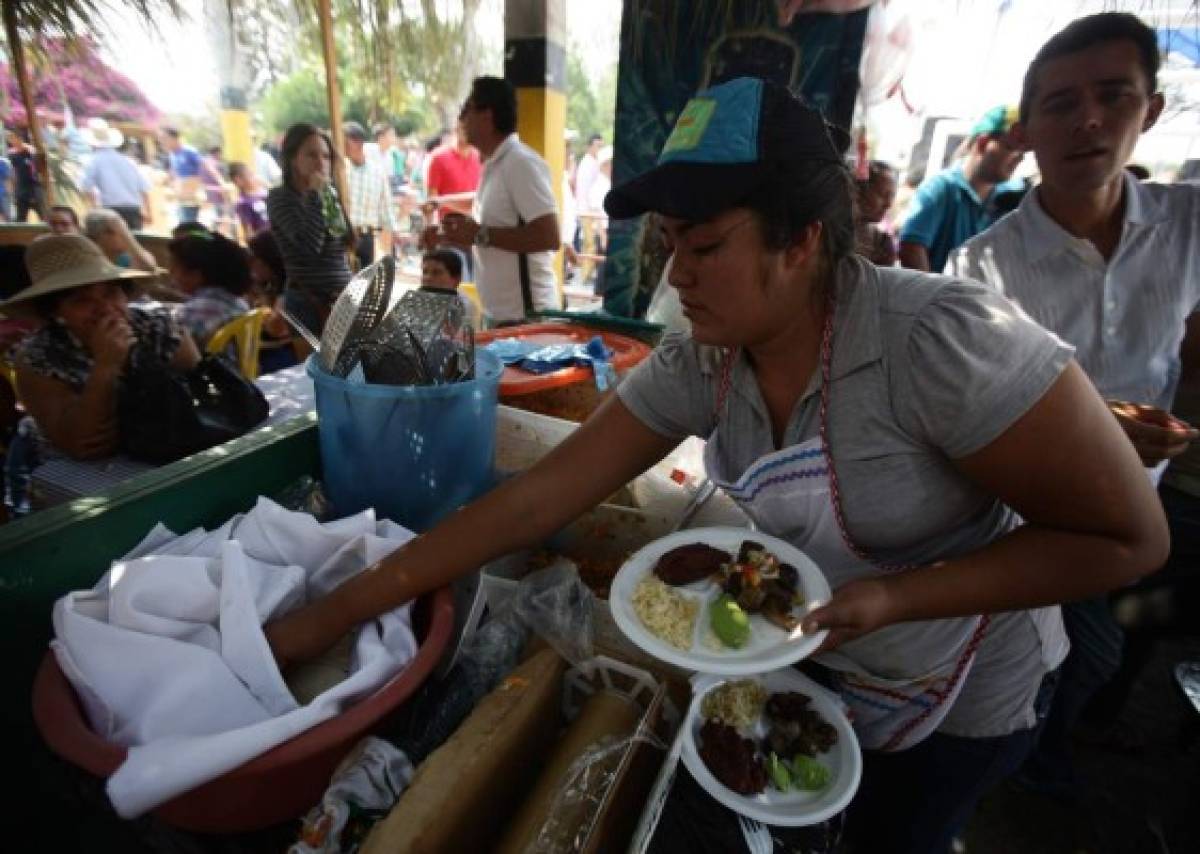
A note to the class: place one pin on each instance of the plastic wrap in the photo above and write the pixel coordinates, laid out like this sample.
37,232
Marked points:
578,804
362,791
305,495
435,712
558,606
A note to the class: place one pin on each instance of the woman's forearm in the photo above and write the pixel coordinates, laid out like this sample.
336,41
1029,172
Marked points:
600,457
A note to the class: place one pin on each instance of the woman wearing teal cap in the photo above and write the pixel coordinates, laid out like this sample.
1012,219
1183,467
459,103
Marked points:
890,424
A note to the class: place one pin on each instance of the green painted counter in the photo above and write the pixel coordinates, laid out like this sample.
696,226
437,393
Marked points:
69,547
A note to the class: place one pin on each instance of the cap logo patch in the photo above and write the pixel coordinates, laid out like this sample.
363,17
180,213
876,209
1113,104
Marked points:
691,125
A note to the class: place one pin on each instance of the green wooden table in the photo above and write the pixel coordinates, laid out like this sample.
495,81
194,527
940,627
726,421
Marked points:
69,547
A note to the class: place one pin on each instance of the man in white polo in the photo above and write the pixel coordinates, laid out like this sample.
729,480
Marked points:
514,227
1110,265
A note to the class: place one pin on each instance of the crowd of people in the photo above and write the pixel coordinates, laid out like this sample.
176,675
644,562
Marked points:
965,412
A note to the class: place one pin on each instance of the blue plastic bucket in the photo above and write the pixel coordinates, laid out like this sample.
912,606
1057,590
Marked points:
414,453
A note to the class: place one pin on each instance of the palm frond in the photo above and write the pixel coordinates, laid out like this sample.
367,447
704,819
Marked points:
72,18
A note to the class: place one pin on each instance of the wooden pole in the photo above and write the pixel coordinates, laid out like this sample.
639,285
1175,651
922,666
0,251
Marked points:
332,92
17,51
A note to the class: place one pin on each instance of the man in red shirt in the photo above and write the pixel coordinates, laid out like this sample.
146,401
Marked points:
455,168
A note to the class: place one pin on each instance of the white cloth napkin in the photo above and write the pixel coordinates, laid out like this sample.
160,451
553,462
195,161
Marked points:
169,659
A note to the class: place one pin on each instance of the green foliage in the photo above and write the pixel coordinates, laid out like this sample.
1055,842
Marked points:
591,101
301,97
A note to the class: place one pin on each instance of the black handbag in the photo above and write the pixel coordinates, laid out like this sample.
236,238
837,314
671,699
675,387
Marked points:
164,415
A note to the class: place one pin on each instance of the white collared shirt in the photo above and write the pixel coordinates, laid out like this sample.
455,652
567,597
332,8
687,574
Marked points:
1125,317
514,189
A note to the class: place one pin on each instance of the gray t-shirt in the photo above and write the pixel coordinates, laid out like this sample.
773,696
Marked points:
925,369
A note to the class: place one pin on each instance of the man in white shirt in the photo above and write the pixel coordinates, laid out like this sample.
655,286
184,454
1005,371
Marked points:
585,173
514,227
1112,266
112,179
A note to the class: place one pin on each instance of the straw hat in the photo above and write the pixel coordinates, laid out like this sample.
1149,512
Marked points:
59,262
100,135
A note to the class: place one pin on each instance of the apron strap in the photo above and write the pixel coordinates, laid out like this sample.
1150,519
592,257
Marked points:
949,690
724,381
835,493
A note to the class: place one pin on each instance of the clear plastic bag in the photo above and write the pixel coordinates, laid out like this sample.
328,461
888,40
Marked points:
578,804
433,714
557,605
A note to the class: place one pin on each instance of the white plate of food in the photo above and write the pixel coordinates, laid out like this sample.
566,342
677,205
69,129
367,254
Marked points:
719,600
777,747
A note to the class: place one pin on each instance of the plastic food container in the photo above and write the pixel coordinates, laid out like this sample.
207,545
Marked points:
570,393
282,783
414,453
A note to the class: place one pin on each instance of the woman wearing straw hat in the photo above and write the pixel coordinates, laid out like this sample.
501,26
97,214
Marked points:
940,456
68,371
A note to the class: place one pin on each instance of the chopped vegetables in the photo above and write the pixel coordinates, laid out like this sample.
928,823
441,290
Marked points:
809,774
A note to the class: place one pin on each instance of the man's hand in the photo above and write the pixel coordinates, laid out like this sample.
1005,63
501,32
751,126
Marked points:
430,237
459,230
1156,435
856,609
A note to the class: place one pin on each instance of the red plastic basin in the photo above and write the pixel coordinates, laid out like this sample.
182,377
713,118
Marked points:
282,783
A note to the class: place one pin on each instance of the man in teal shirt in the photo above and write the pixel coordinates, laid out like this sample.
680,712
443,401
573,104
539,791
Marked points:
957,203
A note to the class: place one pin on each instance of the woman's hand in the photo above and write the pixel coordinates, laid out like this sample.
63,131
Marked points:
855,609
317,180
110,341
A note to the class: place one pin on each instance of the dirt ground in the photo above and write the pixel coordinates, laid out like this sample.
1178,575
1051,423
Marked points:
1139,802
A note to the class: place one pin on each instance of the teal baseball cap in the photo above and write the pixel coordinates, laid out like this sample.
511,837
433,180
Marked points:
996,122
728,142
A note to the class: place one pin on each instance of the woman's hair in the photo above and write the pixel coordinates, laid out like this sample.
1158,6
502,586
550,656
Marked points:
220,262
804,192
295,137
237,170
265,248
100,221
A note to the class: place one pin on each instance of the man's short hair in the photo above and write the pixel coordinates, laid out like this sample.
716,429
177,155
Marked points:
353,130
1085,33
497,95
380,129
172,132
595,138
451,259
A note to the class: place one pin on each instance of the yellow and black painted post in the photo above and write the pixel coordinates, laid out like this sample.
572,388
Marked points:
535,63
